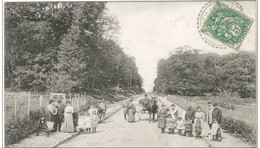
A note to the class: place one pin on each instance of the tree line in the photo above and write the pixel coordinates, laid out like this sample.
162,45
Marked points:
63,47
187,72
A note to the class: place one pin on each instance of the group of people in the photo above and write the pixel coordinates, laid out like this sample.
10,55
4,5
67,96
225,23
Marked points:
60,117
193,122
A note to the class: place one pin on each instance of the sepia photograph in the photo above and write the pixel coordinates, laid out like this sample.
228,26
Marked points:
130,73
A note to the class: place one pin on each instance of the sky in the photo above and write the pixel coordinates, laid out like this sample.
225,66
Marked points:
149,31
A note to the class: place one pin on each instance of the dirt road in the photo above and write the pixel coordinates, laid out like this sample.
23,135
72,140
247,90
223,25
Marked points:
117,132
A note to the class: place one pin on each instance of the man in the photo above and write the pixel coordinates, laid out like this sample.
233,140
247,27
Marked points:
59,116
102,108
216,114
125,105
210,110
190,113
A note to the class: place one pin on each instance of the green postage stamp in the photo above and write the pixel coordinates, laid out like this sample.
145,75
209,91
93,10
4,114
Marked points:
227,25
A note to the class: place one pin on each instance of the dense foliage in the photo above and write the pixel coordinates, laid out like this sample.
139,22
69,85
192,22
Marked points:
62,47
189,73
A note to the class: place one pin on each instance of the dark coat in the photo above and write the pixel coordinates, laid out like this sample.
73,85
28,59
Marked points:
189,114
217,115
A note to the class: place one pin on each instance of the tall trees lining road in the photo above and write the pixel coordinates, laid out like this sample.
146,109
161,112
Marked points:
187,72
62,47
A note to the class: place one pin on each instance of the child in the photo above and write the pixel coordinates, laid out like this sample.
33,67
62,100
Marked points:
215,131
180,126
81,123
188,127
171,124
75,119
94,121
198,129
42,126
87,122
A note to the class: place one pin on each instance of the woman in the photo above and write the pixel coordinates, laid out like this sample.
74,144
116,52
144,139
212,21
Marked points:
68,126
131,112
199,115
162,114
174,112
51,113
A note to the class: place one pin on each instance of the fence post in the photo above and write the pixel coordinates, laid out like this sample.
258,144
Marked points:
15,104
40,102
74,101
78,102
64,98
50,95
70,99
29,103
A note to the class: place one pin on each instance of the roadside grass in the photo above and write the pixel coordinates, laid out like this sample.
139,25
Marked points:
241,122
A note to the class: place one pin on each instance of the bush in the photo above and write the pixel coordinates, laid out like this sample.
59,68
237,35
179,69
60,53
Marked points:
17,130
239,128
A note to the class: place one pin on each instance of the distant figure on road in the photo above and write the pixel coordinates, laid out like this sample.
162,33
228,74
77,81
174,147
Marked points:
131,112
125,104
162,114
102,110
68,126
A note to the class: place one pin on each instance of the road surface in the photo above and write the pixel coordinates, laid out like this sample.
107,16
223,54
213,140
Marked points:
117,132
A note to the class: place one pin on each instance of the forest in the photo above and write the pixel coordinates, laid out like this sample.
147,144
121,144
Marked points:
65,47
187,72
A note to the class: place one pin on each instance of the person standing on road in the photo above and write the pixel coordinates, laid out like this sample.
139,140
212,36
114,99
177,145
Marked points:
174,112
216,114
131,112
60,114
125,104
51,113
210,110
102,110
190,114
162,114
199,115
68,126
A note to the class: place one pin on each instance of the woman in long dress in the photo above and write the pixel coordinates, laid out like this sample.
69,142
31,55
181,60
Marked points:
51,112
68,126
173,112
199,115
162,114
131,112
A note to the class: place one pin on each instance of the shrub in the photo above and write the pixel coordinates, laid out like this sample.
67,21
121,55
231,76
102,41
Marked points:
17,130
239,128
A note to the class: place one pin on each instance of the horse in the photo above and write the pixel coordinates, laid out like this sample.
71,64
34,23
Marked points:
149,105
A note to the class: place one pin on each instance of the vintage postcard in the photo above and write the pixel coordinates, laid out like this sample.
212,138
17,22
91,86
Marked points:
130,74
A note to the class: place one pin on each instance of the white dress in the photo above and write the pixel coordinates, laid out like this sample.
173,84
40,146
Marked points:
81,122
214,129
87,122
